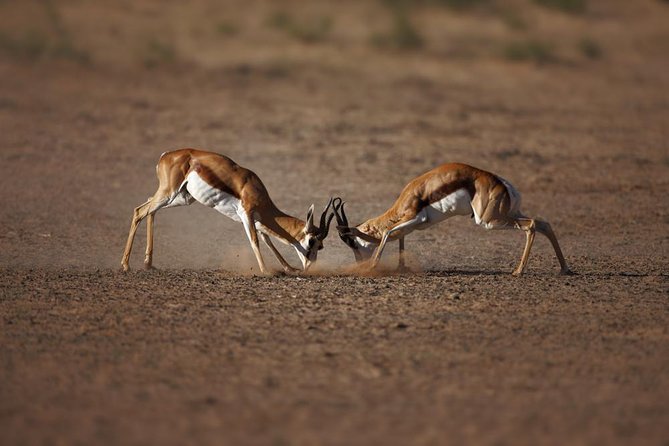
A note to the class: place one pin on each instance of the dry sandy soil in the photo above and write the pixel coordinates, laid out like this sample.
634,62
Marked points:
322,99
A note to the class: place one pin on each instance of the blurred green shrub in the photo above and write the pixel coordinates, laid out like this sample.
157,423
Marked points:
530,50
513,20
308,32
459,4
64,46
451,4
66,50
569,6
31,45
589,48
158,53
403,34
226,28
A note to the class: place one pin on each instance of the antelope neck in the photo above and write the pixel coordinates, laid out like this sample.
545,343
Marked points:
375,227
285,226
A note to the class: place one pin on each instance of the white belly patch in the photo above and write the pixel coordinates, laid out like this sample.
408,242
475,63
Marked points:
456,203
223,202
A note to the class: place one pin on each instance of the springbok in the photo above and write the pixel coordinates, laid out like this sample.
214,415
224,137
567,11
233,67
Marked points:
189,175
448,190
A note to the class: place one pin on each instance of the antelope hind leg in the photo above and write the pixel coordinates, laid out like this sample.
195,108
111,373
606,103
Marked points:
544,228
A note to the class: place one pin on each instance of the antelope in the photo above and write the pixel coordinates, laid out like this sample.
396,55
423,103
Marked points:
189,175
448,190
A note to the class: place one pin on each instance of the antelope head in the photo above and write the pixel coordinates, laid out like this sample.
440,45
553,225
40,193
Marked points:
361,243
312,242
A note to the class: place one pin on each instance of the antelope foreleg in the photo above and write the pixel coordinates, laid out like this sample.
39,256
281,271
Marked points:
406,226
286,266
401,266
252,234
138,215
148,258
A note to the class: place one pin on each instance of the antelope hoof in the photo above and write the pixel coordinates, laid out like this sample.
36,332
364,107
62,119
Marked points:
125,267
517,273
403,269
368,267
567,272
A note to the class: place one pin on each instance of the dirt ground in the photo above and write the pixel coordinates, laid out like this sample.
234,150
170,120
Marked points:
322,99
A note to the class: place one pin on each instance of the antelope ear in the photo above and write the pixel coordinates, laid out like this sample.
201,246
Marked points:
309,227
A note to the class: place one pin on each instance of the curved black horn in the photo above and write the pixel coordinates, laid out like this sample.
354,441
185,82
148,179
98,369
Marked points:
325,220
325,232
336,204
343,214
325,211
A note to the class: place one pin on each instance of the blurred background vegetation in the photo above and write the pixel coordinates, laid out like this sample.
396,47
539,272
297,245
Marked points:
150,34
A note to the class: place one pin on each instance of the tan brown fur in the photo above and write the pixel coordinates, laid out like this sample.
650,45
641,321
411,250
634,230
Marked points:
490,200
223,174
